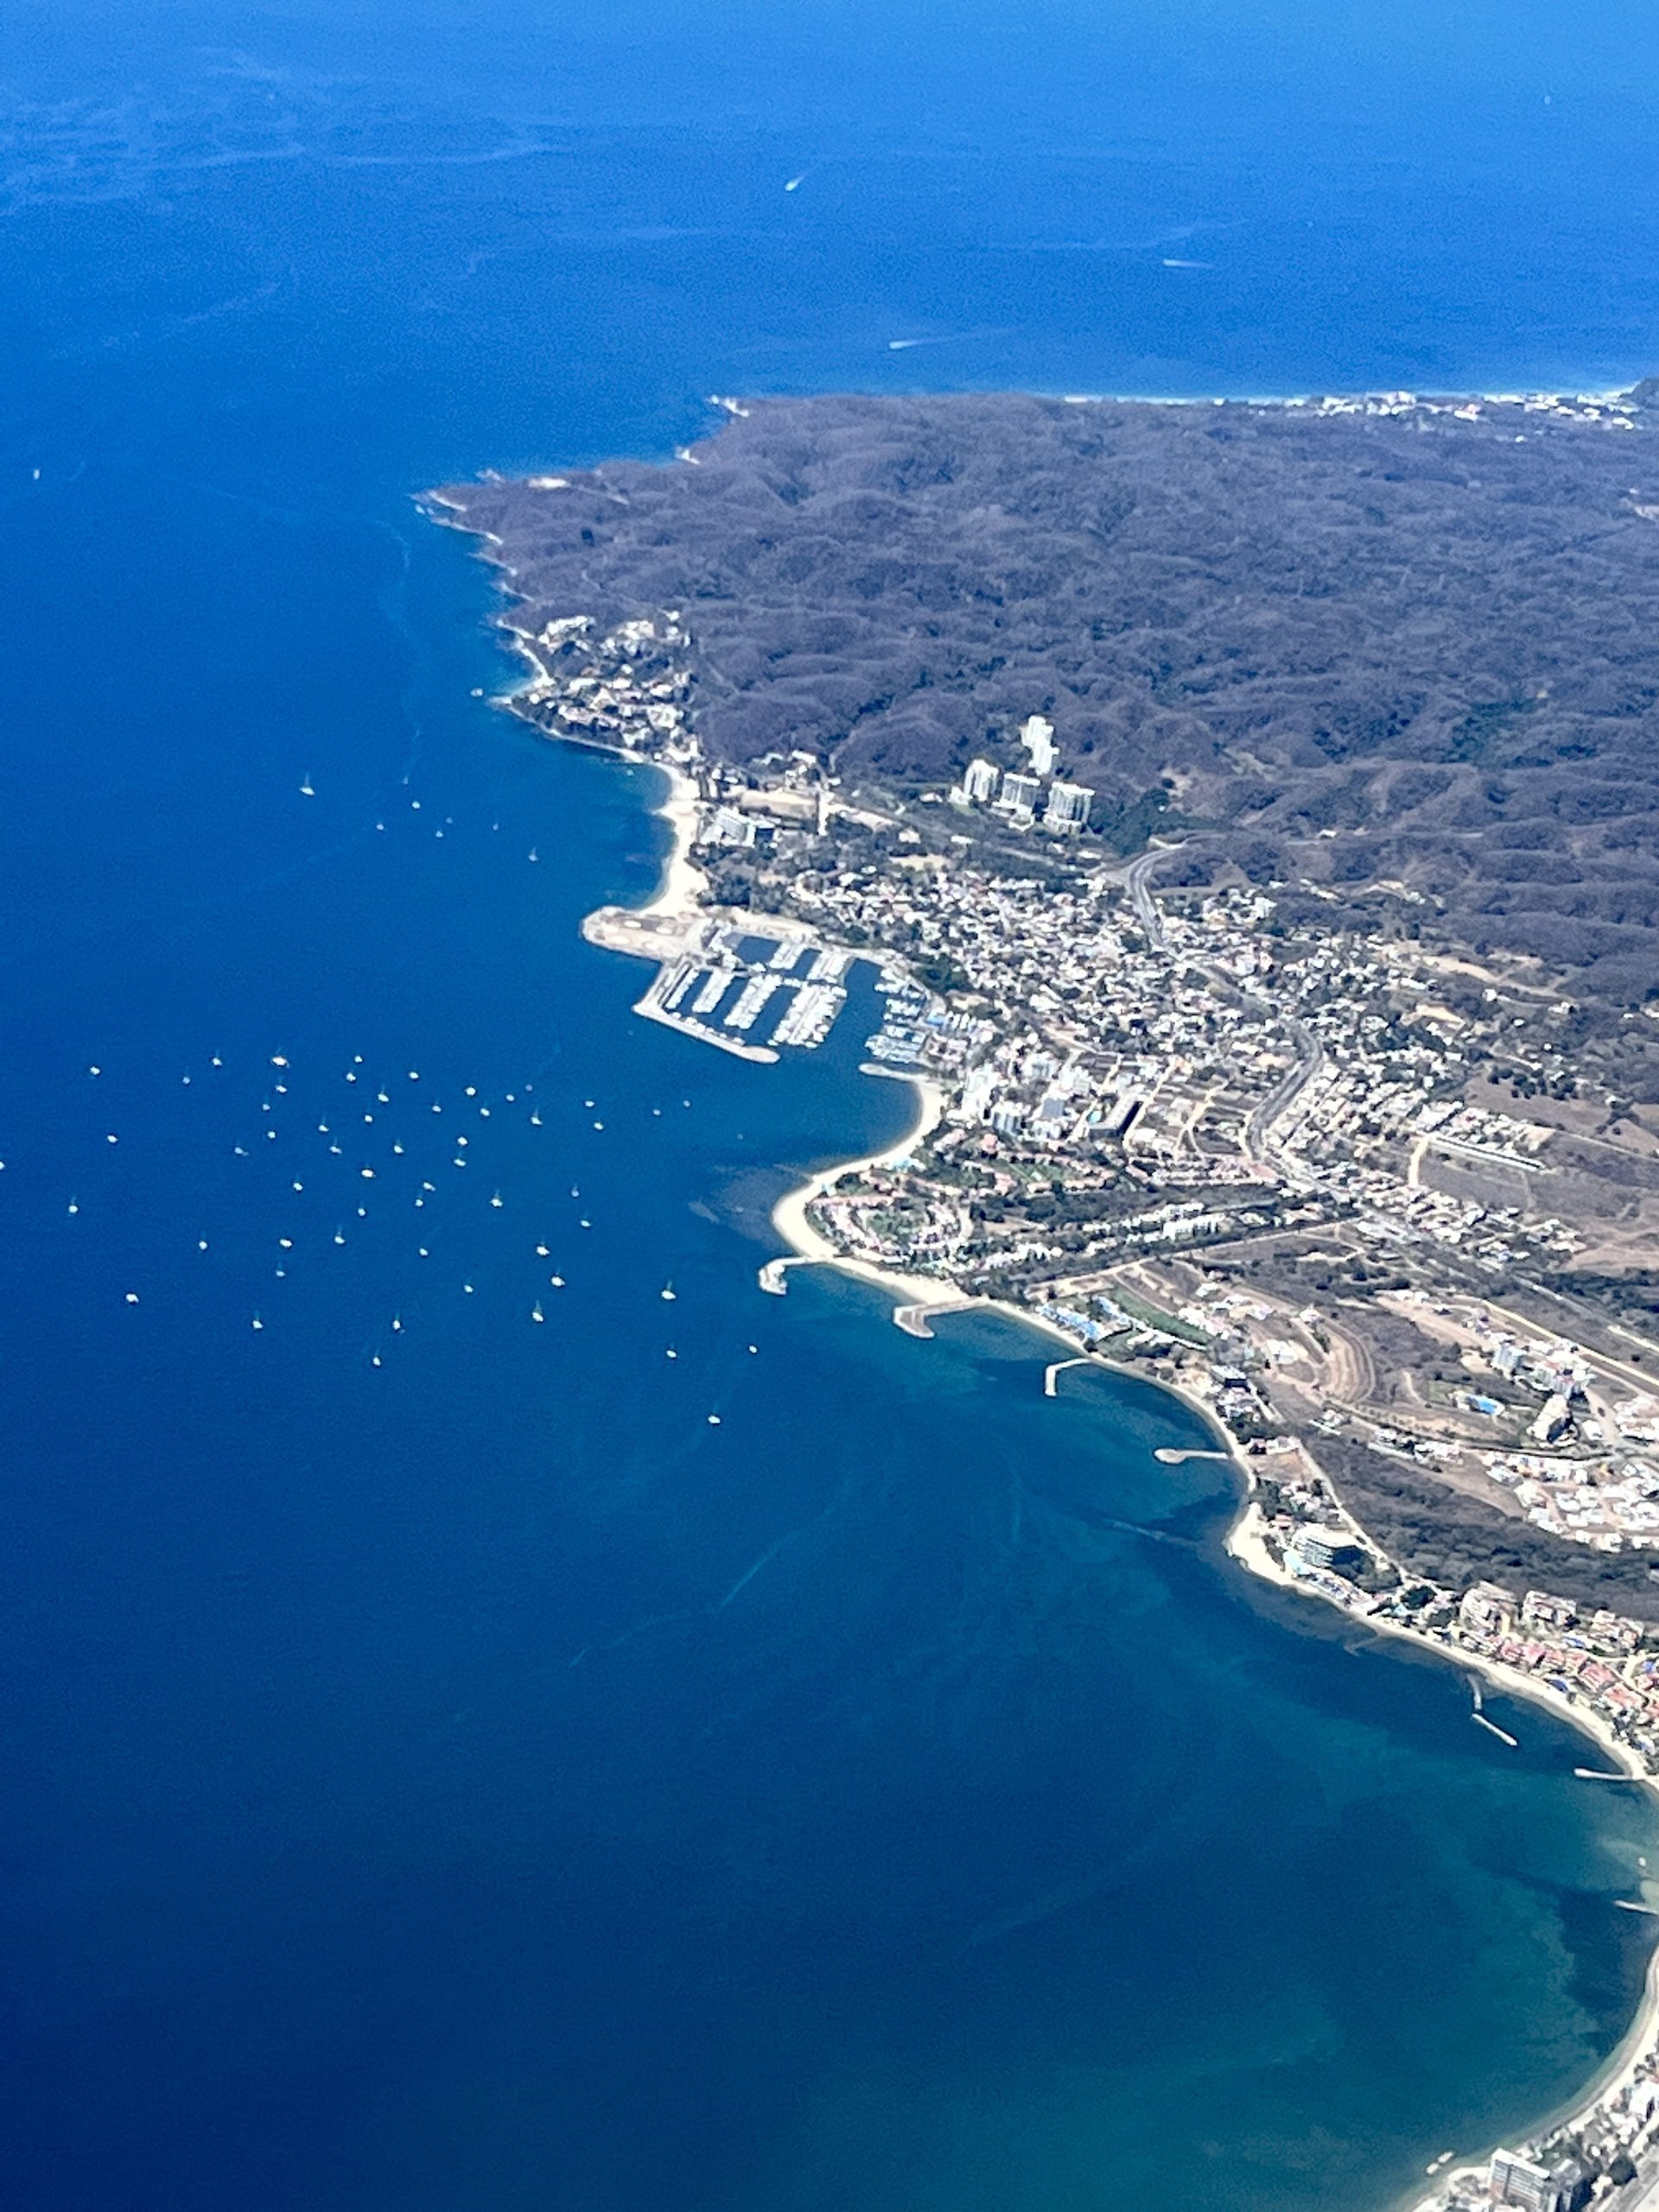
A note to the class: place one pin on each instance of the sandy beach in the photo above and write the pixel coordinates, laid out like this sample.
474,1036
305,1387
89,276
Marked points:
1246,1544
933,1294
937,1295
808,1246
683,886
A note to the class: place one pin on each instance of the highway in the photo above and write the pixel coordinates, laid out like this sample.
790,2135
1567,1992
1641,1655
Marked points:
1284,1093
1136,879
1310,1057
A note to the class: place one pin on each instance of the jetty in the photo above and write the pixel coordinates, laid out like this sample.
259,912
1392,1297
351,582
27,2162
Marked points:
1051,1375
913,1319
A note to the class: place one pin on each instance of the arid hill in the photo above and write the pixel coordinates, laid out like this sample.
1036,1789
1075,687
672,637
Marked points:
1358,645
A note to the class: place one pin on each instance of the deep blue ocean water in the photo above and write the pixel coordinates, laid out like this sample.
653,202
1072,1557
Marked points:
476,1779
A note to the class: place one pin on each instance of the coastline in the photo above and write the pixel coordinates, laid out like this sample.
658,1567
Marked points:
1245,1544
683,886
808,1246
680,893
918,1297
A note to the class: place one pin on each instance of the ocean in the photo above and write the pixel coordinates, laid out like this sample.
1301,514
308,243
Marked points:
442,1766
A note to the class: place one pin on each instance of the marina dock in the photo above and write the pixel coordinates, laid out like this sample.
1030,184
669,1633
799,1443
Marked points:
708,987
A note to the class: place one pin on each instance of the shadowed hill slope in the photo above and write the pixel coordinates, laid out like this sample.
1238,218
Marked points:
1362,644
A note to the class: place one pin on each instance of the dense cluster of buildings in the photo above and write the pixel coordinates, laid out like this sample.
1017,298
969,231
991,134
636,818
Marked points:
1602,1662
1207,1056
1582,1460
627,688
1128,1077
1064,807
1613,411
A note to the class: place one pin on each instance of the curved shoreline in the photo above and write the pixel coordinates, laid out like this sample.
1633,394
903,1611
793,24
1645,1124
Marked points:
918,1298
1639,2044
1245,1545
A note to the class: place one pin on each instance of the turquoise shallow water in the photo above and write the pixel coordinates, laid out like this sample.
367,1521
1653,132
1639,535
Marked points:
477,1779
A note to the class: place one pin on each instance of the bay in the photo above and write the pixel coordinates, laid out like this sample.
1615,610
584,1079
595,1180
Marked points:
478,1777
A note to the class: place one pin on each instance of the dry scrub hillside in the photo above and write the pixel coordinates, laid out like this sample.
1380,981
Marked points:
1409,645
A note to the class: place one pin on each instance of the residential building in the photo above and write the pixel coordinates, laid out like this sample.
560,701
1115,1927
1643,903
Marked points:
1516,2180
1018,796
728,827
1314,1546
1552,1421
1037,735
1484,1608
1067,806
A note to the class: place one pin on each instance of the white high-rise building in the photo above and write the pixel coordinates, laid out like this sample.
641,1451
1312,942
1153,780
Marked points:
1037,735
1018,796
1516,2180
728,827
979,784
1067,806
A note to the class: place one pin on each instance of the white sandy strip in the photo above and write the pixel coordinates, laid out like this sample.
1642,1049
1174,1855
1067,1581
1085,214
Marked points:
810,1247
683,886
682,889
789,1216
1246,1542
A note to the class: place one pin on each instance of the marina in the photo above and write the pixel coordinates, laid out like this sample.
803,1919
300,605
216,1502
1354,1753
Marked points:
720,981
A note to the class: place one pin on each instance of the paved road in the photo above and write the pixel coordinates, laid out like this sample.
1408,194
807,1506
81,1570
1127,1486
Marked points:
1284,1093
1136,878
1137,881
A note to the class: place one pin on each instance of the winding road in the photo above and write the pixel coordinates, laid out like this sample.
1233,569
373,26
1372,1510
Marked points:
1136,878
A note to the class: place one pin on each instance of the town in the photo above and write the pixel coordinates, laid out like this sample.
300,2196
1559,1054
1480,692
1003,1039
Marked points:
1160,1109
1305,1172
